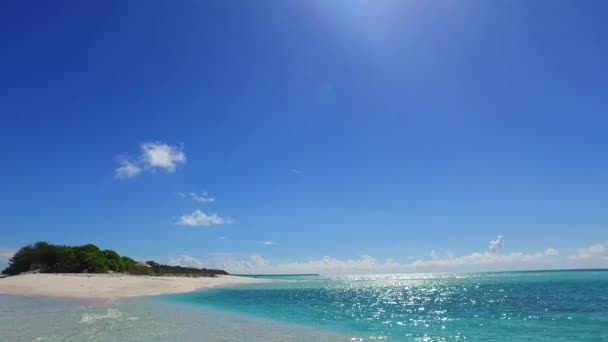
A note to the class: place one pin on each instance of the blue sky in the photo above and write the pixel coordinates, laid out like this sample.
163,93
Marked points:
332,136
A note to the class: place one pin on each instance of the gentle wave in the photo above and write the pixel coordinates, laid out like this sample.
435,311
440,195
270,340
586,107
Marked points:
433,307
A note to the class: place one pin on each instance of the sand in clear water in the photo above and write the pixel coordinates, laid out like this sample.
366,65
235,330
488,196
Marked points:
53,319
512,306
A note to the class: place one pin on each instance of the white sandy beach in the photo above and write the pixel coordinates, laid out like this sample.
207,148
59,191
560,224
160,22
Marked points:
110,285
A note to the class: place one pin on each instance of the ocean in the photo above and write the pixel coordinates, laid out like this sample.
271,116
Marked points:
507,306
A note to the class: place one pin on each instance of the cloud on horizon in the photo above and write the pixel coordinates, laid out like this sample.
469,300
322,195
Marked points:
154,156
7,253
199,218
186,261
550,258
593,252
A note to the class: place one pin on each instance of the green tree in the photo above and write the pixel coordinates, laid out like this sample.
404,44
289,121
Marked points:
127,262
20,262
113,259
91,257
51,258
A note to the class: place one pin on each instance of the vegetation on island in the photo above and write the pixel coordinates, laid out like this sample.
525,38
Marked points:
44,257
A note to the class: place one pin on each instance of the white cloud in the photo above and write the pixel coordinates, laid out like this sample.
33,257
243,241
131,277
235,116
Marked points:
202,197
186,261
154,155
487,261
7,253
256,263
551,252
592,252
496,245
201,219
367,264
236,264
267,243
158,155
439,261
592,256
127,170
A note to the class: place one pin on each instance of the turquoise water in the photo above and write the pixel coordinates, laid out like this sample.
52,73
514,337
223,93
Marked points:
525,306
511,306
39,319
286,277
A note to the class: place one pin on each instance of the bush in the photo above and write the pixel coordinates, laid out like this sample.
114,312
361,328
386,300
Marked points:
127,263
114,261
50,258
59,259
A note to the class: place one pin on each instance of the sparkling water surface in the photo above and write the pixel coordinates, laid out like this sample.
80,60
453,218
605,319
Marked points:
509,306
515,306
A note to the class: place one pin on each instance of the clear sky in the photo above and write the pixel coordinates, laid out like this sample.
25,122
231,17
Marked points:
312,136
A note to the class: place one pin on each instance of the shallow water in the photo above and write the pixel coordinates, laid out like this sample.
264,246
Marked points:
517,306
510,306
144,319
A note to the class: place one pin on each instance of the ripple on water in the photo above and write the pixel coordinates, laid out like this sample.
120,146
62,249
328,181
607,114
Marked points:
432,307
544,306
50,320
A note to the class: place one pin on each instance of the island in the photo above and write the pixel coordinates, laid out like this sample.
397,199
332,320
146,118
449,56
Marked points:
88,272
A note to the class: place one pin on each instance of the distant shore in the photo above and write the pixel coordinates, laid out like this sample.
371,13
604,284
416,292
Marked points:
108,286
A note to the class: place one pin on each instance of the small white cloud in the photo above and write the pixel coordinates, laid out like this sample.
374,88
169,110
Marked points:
154,155
127,170
200,197
186,261
295,171
202,219
496,245
267,243
596,251
163,156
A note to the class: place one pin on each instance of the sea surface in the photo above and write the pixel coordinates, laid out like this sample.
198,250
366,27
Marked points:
509,306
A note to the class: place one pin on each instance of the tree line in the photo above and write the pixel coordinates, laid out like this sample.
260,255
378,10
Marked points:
48,258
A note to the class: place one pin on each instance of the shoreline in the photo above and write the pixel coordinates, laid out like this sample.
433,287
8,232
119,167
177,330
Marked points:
112,286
